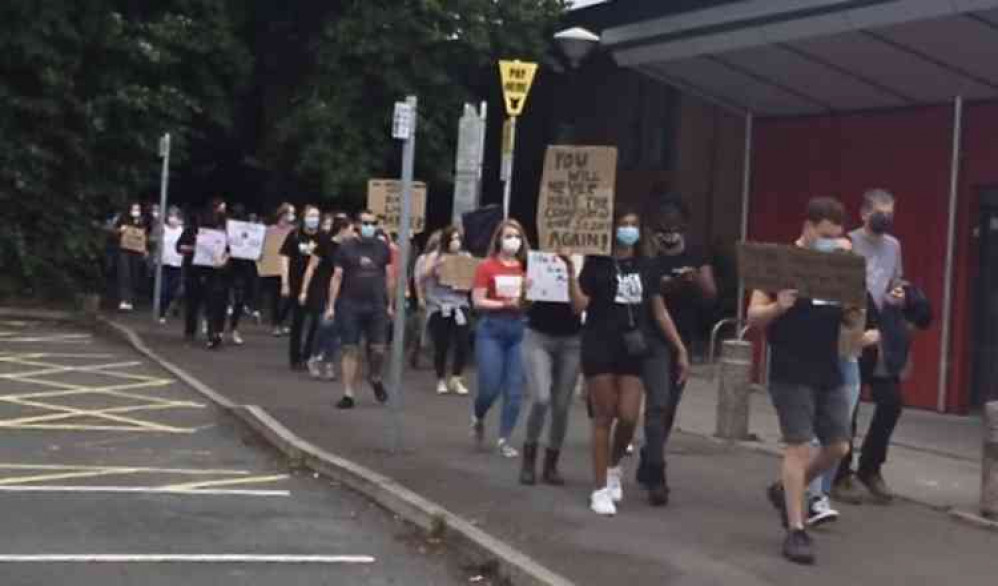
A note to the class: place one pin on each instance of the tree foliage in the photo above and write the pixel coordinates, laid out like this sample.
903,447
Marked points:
301,90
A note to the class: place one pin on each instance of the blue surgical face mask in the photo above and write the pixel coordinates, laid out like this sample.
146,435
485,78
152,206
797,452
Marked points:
367,231
825,245
311,222
628,235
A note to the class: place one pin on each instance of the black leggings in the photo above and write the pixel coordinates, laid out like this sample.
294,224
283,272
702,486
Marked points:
444,331
206,289
279,306
242,274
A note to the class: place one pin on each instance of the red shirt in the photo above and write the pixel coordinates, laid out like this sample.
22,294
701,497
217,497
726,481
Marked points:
489,269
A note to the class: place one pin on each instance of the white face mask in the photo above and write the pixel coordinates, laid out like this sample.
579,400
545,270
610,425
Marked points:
454,246
289,217
136,214
511,244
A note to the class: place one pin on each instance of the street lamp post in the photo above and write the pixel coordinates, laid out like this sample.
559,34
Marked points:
575,44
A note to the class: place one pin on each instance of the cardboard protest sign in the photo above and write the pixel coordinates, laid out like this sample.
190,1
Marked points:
384,198
171,257
209,248
575,208
548,276
133,239
269,264
245,239
826,276
458,271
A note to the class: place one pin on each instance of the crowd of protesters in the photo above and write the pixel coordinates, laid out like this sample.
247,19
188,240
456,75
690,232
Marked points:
626,331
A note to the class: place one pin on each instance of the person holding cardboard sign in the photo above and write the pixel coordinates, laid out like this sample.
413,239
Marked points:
132,251
449,313
805,381
498,294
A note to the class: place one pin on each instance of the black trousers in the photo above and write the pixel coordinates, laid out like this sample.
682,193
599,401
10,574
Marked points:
279,307
242,277
886,394
445,331
207,291
304,324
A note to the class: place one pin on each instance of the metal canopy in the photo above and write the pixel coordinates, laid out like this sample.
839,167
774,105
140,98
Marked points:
796,57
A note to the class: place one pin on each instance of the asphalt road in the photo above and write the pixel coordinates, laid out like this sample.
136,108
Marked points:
104,454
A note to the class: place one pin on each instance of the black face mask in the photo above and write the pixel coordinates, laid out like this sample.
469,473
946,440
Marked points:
880,222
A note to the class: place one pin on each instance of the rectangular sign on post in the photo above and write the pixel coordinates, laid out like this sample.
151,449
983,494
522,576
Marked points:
269,264
458,271
245,239
826,276
133,239
575,207
209,248
547,276
384,198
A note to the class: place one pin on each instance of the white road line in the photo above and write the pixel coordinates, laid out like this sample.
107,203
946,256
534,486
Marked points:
143,490
189,558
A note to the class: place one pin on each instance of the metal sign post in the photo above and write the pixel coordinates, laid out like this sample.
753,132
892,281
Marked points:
517,78
157,295
404,128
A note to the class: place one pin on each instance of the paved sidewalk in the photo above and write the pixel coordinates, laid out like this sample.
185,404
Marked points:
719,529
934,459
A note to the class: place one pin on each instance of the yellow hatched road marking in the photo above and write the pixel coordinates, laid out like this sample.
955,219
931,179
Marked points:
143,469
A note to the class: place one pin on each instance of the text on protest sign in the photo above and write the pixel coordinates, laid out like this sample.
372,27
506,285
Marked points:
209,248
384,198
245,239
133,239
838,276
547,276
575,208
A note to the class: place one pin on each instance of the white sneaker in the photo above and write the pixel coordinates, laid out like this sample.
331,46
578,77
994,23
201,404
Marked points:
237,339
314,368
614,485
162,321
820,511
125,306
602,503
457,387
506,450
442,388
330,371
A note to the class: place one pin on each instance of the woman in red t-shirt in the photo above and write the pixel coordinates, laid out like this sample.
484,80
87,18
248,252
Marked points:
498,296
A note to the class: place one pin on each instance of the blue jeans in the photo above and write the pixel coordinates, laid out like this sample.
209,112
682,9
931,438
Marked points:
849,367
500,368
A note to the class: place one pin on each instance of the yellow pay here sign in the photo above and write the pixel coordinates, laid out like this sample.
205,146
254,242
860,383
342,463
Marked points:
517,77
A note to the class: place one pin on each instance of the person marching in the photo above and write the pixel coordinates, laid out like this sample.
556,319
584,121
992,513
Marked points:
172,261
497,294
361,297
551,348
449,312
130,262
684,280
205,286
296,252
336,228
613,291
805,383
270,287
241,278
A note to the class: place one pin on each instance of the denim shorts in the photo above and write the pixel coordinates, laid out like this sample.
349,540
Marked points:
355,321
807,412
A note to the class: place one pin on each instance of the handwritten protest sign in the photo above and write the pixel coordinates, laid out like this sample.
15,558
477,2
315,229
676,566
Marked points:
458,271
133,239
547,276
575,208
384,198
269,264
209,248
245,239
816,275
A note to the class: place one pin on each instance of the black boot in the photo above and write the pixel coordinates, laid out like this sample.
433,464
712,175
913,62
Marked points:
528,473
551,475
642,474
658,488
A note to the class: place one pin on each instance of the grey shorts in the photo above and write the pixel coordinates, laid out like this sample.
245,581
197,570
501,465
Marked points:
806,413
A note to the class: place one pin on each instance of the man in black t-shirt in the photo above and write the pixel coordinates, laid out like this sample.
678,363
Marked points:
296,253
805,383
360,298
685,281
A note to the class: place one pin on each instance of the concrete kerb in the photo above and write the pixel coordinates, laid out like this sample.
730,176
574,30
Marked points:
974,519
468,539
